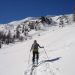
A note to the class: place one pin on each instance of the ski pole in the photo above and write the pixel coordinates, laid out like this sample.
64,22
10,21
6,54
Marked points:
48,59
29,58
46,54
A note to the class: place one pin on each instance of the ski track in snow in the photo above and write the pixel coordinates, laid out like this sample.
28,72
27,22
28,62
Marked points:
58,42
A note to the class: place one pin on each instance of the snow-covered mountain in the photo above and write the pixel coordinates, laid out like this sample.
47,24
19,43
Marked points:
16,58
58,42
32,20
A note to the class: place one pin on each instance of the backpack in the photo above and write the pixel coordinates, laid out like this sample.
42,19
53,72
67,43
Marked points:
35,47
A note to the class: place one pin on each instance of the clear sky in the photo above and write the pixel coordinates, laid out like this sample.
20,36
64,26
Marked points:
11,10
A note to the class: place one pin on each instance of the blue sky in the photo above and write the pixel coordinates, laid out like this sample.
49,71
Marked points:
11,10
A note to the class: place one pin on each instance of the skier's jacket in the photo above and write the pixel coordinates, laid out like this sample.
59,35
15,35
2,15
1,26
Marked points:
35,47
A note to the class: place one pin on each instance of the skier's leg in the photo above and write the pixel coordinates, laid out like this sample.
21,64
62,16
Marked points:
33,60
37,57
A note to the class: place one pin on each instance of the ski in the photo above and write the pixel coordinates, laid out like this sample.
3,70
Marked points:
32,69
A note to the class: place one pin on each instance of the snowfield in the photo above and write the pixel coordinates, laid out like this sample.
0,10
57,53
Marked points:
16,59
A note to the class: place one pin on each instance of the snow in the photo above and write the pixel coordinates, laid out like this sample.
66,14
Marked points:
16,58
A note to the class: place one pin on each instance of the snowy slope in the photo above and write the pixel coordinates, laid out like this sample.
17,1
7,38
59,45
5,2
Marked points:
58,42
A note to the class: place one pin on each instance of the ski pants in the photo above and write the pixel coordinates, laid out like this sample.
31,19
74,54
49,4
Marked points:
35,56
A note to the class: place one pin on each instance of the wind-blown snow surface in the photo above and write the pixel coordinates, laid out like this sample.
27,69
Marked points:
58,42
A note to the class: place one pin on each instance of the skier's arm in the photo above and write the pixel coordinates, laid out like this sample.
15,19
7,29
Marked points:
40,46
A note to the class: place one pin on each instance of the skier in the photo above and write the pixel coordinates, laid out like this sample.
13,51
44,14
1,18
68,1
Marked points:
34,49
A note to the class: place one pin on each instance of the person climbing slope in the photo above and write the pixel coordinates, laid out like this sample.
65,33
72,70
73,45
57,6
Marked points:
34,48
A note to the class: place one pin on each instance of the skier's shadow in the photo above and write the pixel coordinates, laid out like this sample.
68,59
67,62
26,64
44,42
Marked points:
49,60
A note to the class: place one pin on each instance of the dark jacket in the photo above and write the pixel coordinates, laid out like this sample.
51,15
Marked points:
35,47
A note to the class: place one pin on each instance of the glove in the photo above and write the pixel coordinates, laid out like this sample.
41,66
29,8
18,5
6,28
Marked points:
42,46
